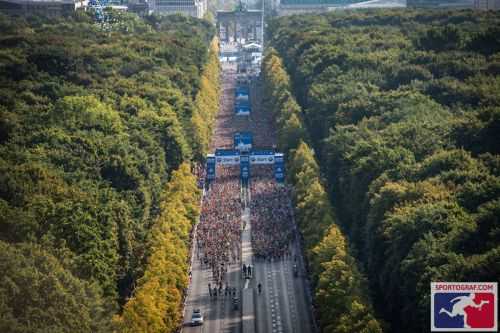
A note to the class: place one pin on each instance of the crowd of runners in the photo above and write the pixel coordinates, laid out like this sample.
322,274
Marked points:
258,122
270,216
219,229
218,241
222,227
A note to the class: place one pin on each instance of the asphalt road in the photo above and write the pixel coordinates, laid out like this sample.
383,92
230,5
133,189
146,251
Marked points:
283,305
219,315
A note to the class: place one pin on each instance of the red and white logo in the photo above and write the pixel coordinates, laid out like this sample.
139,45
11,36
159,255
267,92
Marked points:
464,306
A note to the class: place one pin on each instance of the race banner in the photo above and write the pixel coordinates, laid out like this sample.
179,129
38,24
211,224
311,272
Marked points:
262,157
242,110
227,157
242,103
242,107
242,93
242,98
244,168
210,166
243,141
279,167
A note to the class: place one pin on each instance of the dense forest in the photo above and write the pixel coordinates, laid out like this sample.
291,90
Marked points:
401,109
97,130
341,300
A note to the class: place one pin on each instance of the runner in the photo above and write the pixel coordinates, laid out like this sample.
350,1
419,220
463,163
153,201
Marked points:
271,216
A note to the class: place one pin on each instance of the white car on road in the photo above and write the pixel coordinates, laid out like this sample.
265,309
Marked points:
196,318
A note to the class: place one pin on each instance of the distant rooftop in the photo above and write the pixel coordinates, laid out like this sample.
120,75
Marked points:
234,11
379,4
441,3
24,2
320,2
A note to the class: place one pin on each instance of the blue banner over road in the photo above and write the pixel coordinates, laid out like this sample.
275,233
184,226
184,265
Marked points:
210,167
245,159
242,103
243,141
245,167
227,156
242,106
242,91
262,157
279,167
242,110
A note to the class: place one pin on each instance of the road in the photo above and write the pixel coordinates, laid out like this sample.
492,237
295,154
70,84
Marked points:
283,305
219,315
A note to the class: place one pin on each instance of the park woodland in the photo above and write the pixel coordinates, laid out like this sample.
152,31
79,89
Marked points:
305,173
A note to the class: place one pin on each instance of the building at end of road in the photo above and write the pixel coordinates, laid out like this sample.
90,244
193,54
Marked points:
195,8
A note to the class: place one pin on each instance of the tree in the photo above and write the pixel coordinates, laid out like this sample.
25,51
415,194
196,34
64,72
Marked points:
40,295
93,124
156,304
339,287
401,111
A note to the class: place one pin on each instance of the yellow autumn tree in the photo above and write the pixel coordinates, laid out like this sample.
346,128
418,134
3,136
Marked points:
339,286
156,305
206,104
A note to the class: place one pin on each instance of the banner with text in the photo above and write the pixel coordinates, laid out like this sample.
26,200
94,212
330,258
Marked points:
242,107
242,110
262,157
244,167
243,141
210,167
242,91
227,157
279,167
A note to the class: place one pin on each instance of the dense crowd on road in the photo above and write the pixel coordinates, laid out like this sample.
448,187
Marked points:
219,230
223,134
270,216
258,122
218,241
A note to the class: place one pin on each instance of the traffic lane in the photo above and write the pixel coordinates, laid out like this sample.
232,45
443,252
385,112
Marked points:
193,329
303,296
298,297
283,305
303,305
197,297
264,311
289,307
221,315
218,312
232,317
278,322
272,307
